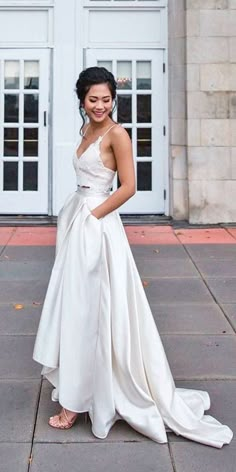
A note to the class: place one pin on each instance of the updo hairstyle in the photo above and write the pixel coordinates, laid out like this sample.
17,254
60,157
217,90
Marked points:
93,76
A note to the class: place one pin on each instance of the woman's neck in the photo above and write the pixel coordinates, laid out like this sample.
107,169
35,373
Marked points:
96,127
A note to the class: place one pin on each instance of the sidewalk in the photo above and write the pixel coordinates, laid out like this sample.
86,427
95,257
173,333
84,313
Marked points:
189,276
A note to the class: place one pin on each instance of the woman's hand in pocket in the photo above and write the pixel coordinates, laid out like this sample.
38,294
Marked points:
93,214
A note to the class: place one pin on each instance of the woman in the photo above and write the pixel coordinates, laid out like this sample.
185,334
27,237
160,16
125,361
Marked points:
97,339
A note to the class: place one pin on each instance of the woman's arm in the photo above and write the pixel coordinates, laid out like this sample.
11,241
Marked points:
122,149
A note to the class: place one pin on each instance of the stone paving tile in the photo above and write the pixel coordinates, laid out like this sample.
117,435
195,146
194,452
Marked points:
18,402
156,251
29,253
204,236
144,235
217,268
175,290
230,310
212,251
14,457
81,431
23,291
190,457
16,358
166,268
232,231
197,356
223,289
190,319
131,457
5,237
32,236
36,270
21,321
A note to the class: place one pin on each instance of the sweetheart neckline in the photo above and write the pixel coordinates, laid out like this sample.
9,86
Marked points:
99,153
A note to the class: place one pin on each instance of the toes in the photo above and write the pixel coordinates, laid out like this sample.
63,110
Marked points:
54,420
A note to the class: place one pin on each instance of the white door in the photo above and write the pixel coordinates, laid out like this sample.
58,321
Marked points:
24,97
141,109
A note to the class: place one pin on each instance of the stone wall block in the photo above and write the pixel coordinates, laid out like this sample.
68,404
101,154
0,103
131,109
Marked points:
209,205
207,50
208,105
193,22
193,77
232,133
194,132
232,49
177,23
180,199
198,201
178,131
230,200
233,162
177,51
232,77
232,23
213,4
215,132
177,76
179,162
177,101
192,4
213,163
207,4
214,77
232,105
215,23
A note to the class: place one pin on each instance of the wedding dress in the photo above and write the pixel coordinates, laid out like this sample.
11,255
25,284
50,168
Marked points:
97,339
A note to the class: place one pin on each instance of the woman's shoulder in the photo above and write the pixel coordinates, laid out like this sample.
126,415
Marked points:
118,130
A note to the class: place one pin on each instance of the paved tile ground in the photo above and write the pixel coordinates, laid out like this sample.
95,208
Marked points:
189,276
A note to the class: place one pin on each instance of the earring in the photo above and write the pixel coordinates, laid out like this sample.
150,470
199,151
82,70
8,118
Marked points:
83,111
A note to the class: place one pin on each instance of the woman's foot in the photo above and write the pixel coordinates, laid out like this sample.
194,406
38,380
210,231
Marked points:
64,420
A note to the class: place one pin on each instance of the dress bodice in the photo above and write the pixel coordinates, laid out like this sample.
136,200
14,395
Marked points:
90,170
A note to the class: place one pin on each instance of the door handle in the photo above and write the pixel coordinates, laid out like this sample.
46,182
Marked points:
44,118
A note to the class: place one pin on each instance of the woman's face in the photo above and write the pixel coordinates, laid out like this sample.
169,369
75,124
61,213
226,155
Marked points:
98,102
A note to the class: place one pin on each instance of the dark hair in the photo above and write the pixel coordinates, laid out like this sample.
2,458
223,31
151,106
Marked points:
93,76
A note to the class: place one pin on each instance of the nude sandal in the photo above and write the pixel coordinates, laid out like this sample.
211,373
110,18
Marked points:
62,424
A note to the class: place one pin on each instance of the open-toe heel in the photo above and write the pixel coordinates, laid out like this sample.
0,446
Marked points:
63,421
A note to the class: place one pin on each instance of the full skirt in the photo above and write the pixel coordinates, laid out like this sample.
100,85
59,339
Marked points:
97,339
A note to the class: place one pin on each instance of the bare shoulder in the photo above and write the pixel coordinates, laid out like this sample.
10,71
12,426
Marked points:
119,133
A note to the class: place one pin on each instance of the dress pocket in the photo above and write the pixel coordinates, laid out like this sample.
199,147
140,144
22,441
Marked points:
94,217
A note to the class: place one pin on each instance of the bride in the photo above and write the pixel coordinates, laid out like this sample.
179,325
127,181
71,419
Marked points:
97,340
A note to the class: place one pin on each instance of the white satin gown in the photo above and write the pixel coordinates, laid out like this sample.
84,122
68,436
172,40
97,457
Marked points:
97,339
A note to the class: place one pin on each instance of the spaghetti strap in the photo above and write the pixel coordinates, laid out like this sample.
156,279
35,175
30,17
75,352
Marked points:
109,130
